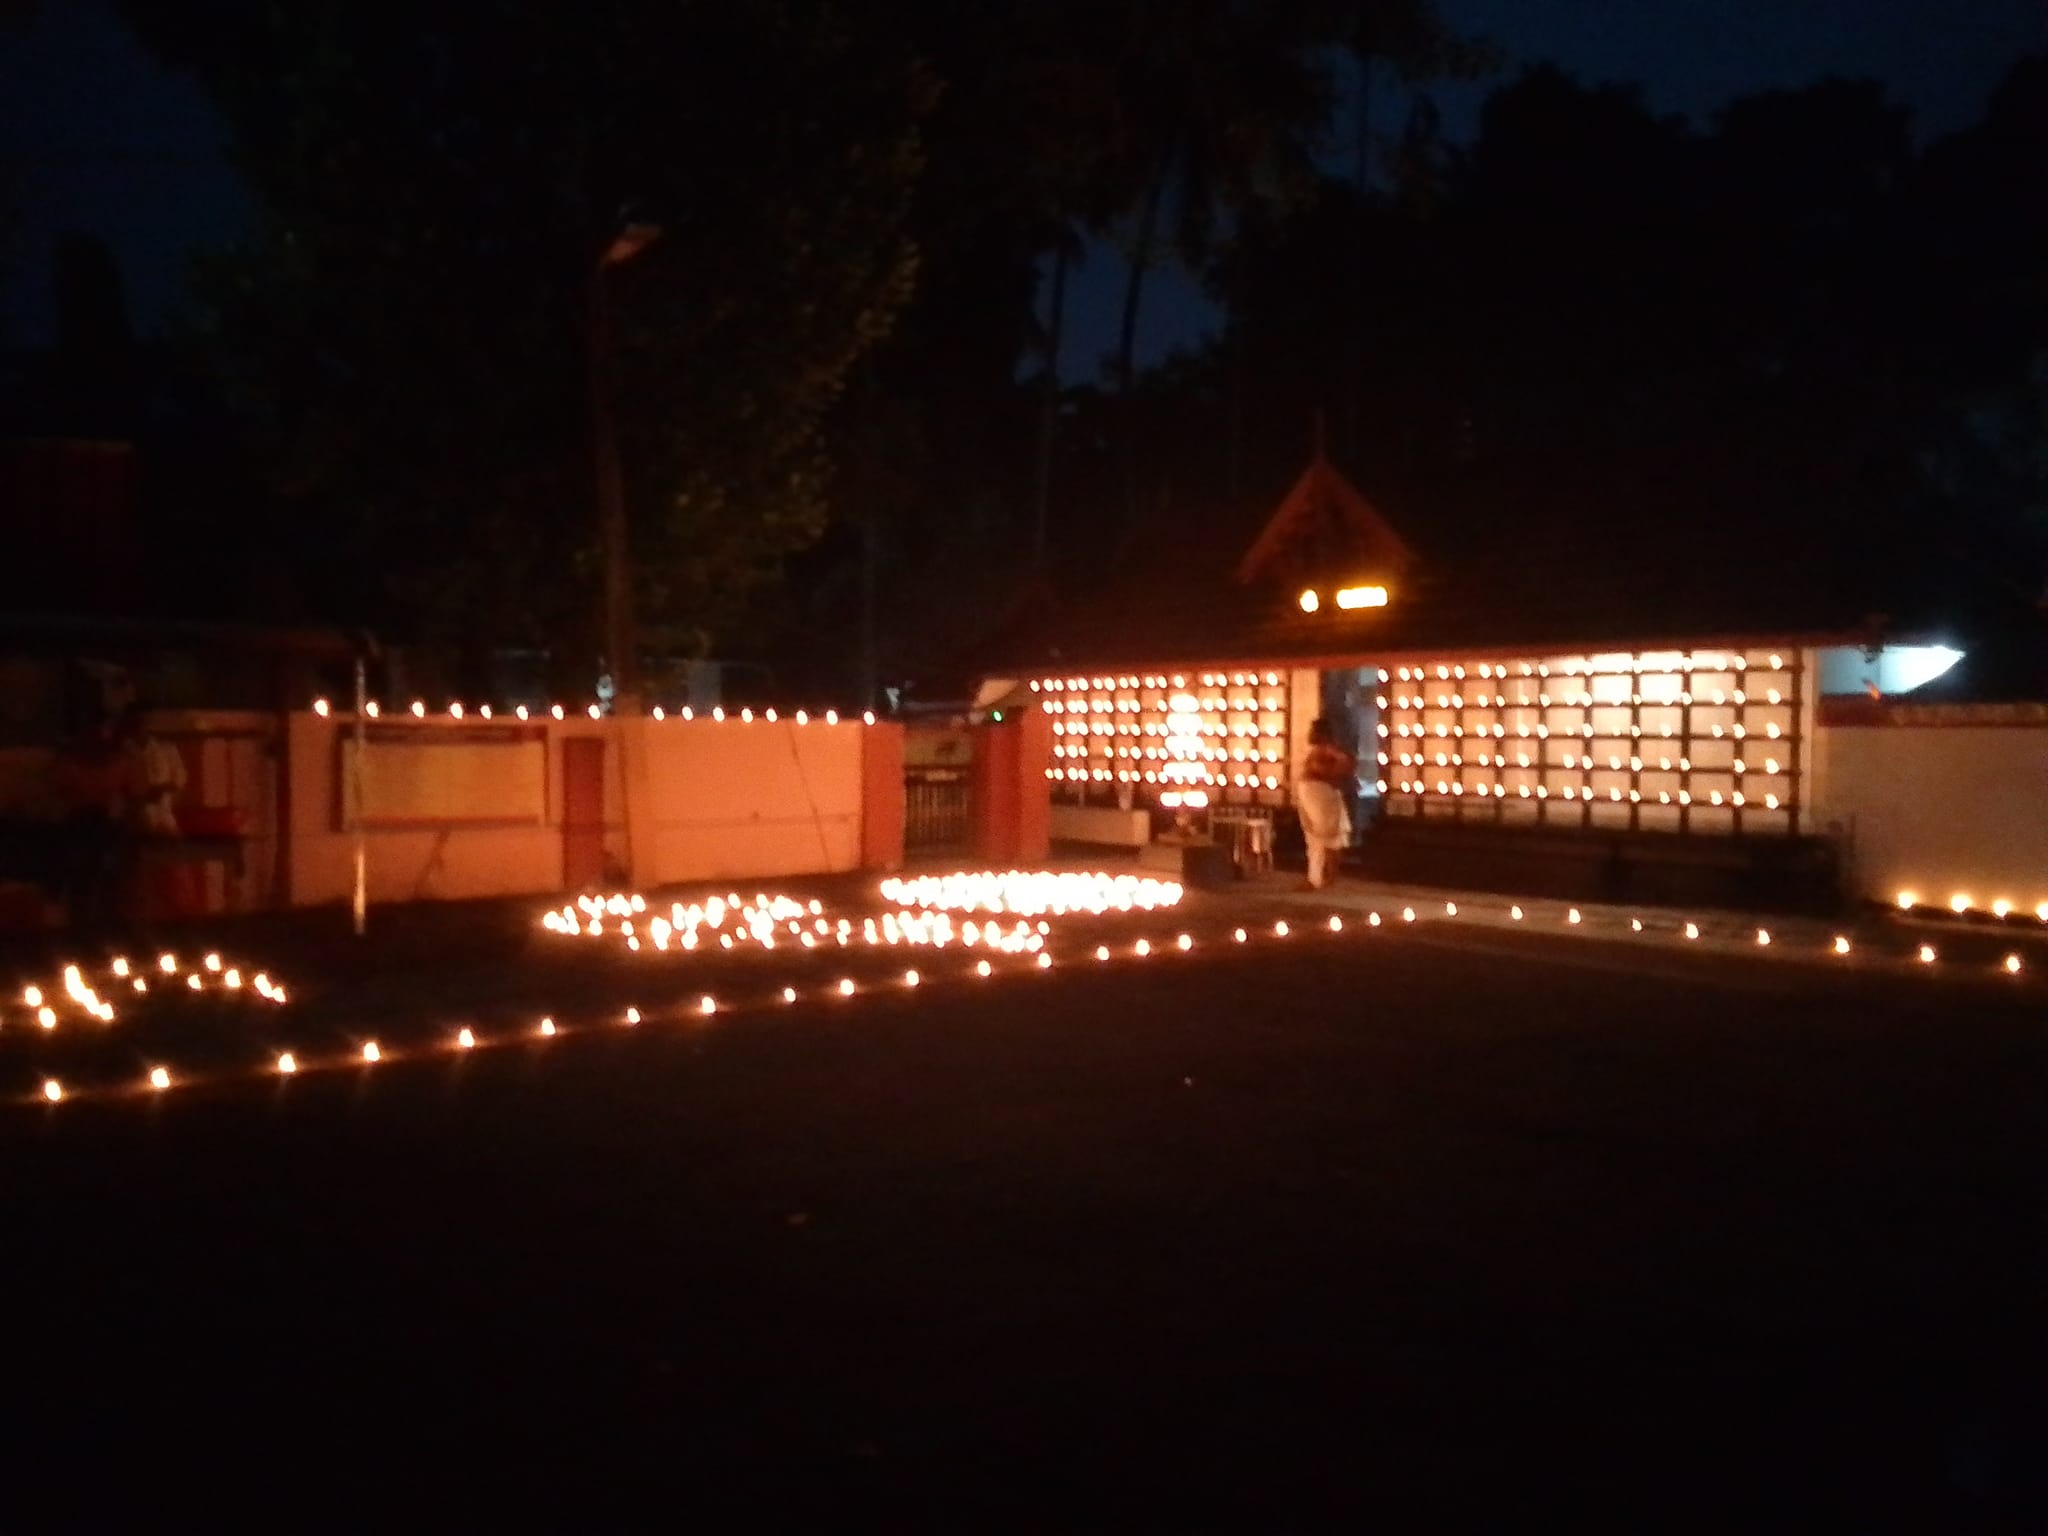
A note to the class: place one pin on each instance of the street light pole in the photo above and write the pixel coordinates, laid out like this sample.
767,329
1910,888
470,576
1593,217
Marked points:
619,645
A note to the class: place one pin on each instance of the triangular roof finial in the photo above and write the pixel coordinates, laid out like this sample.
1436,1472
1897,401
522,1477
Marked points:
1324,516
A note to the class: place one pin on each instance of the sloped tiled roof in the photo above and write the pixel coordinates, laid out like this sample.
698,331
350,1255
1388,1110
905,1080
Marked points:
1563,583
1227,622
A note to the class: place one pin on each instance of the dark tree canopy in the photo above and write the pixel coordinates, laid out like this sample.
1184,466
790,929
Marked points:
847,440
1620,329
438,183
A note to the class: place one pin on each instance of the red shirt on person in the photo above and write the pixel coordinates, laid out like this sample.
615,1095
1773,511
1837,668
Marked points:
1327,764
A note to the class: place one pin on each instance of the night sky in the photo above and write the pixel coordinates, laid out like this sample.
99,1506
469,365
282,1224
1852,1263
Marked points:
94,136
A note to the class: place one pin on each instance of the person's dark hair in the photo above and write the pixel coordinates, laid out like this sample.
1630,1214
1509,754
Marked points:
1319,732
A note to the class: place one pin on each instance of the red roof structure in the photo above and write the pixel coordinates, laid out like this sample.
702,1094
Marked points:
1572,580
1324,525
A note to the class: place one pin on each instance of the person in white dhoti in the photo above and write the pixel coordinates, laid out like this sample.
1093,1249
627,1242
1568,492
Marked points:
1322,796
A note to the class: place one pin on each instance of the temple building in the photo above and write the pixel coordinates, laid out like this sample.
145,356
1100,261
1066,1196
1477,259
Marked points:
1556,714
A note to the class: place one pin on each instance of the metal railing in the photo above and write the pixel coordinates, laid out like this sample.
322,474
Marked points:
938,809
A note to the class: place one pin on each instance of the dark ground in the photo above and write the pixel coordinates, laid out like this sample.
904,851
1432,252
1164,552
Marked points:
1432,1227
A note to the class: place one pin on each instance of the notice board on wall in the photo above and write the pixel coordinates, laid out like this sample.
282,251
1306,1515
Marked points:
439,777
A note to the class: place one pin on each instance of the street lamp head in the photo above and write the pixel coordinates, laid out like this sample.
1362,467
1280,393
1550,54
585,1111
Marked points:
630,241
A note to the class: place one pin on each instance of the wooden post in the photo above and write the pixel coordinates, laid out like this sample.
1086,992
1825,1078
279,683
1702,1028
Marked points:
355,800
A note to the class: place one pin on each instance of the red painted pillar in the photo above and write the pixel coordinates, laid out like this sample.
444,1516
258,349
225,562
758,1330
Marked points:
1034,792
995,795
1012,808
881,795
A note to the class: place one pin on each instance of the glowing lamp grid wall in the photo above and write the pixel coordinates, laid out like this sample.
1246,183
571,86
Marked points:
1216,738
1705,741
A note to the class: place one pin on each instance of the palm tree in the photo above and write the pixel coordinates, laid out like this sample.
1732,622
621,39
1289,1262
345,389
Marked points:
1066,251
1222,108
1224,104
1407,39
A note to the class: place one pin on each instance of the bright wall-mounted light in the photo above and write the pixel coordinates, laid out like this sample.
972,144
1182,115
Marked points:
1362,597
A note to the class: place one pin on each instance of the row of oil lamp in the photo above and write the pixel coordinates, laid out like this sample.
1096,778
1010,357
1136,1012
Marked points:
1962,904
1080,709
1771,765
72,993
1133,776
1500,732
1033,893
1737,799
1573,918
419,710
660,935
1717,698
923,906
924,917
1655,665
1184,754
370,1053
1152,680
1192,731
1014,892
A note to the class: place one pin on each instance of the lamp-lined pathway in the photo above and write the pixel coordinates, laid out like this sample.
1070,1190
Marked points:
1871,935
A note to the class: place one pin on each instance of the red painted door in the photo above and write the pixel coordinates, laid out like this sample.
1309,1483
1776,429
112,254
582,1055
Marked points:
582,811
